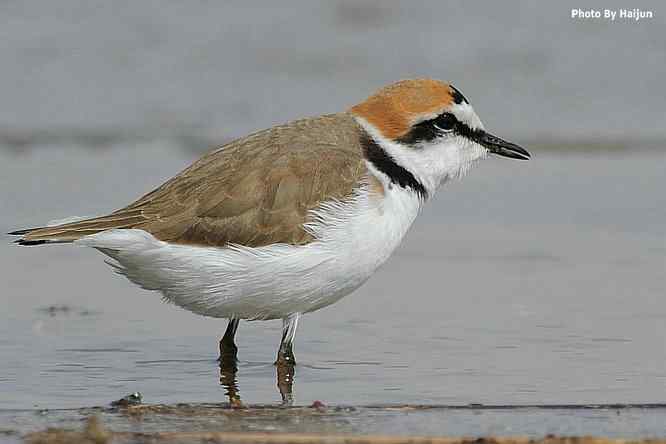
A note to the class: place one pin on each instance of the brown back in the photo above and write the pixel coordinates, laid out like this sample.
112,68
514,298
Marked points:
253,191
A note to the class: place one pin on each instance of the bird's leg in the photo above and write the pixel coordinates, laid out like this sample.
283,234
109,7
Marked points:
228,364
285,352
285,359
228,347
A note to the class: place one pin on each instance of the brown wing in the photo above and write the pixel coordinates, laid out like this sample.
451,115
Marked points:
253,192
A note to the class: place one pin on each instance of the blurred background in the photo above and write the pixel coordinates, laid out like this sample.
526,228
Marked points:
527,282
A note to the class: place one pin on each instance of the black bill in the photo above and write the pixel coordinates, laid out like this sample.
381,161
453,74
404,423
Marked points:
501,147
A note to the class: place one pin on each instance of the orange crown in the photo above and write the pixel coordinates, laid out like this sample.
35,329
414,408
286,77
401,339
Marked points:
395,108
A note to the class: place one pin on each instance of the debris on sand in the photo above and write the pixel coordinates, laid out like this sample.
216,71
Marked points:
132,399
318,405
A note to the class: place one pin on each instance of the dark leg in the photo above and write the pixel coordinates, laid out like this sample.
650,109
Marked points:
285,359
228,364
227,345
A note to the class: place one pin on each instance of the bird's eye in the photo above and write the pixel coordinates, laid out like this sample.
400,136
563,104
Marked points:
445,122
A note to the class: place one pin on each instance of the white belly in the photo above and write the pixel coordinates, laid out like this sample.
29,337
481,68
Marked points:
353,238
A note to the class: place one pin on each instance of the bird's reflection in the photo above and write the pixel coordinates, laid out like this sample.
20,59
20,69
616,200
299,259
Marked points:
228,370
285,370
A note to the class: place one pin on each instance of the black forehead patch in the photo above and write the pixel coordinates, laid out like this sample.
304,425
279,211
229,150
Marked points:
458,96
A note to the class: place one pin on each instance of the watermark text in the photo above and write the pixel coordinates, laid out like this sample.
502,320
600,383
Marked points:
612,15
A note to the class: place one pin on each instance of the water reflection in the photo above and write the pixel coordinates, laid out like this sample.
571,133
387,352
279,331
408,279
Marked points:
284,364
228,370
229,363
284,370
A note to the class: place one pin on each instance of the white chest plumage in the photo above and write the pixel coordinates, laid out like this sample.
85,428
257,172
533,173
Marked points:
353,238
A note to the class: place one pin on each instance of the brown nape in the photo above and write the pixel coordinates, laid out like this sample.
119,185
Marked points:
254,191
393,109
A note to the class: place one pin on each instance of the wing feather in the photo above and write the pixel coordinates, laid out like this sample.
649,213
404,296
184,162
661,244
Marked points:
254,191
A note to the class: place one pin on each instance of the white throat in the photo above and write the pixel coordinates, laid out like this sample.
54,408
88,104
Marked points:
432,165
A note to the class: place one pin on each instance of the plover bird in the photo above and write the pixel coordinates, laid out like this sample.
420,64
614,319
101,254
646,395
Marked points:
290,219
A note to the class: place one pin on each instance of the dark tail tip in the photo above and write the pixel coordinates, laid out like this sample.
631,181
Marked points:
28,243
21,232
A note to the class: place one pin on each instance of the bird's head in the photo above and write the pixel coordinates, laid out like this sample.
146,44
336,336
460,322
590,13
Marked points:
429,129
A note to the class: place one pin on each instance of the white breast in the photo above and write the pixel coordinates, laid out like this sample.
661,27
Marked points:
353,238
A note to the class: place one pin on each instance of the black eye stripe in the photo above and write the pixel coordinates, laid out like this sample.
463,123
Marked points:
472,134
421,132
429,130
445,122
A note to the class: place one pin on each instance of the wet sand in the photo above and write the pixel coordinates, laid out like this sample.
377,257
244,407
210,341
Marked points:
95,432
319,424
